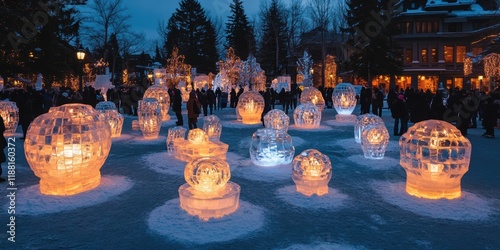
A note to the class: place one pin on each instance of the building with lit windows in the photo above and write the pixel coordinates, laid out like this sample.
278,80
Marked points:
435,38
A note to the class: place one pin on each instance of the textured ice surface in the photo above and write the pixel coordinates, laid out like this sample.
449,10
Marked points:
334,200
173,223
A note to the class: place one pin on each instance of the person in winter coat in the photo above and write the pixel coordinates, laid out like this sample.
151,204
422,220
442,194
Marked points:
194,110
399,112
490,110
176,96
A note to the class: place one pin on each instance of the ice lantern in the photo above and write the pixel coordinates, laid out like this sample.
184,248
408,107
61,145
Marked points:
307,116
311,172
374,141
66,148
344,102
270,147
362,121
314,96
114,118
250,107
208,192
212,126
160,93
149,117
10,116
277,119
197,145
435,156
175,133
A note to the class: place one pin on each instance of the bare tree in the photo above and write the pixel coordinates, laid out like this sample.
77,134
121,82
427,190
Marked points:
297,25
321,14
107,17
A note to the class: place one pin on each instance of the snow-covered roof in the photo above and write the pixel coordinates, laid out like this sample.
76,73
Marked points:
444,3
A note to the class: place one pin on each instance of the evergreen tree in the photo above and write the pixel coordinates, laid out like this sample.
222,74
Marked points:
273,45
488,4
194,34
29,45
239,32
158,55
370,39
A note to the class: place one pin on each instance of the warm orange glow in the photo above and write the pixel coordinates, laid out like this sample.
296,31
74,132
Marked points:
115,119
135,125
174,134
435,156
374,140
10,116
311,172
197,145
149,116
208,192
250,107
160,93
314,96
66,148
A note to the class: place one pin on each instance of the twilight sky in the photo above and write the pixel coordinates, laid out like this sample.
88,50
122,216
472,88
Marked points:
146,13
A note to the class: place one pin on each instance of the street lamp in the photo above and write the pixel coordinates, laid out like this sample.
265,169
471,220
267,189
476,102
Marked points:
80,55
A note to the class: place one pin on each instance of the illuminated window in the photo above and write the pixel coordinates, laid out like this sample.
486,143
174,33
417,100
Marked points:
460,54
409,56
424,56
434,55
459,83
448,54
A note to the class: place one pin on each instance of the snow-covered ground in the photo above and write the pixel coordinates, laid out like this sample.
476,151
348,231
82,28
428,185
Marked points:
137,204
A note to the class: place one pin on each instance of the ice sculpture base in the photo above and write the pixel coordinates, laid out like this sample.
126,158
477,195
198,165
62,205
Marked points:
188,151
250,119
66,185
165,117
309,187
345,118
433,187
206,206
374,155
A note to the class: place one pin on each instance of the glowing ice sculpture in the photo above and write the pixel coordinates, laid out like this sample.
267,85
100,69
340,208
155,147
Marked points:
66,148
314,96
250,107
197,145
10,116
271,147
435,156
307,116
160,93
374,141
277,119
208,192
149,116
175,133
311,172
135,125
362,121
212,126
115,119
344,102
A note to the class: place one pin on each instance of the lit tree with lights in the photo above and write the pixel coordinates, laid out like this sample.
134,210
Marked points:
176,68
232,66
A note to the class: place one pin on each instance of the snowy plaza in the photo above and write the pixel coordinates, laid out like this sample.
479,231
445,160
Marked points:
137,203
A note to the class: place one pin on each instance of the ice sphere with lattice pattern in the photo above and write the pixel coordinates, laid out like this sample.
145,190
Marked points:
435,157
149,117
115,119
250,107
175,133
270,147
311,172
160,93
66,148
307,116
208,192
362,121
277,119
314,96
344,98
10,116
374,141
212,126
